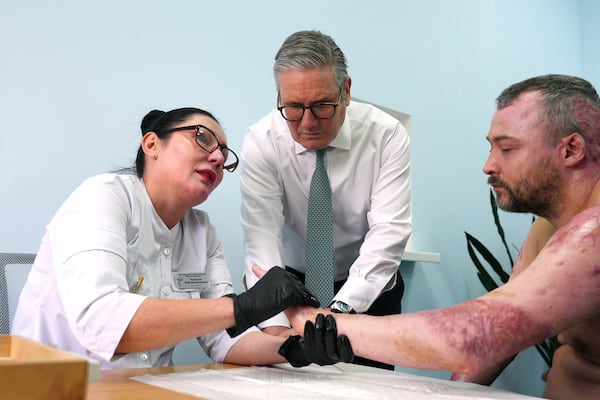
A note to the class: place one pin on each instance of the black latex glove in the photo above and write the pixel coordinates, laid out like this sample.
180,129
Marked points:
273,293
320,344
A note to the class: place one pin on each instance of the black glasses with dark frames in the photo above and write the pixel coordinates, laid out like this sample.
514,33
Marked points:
207,140
322,110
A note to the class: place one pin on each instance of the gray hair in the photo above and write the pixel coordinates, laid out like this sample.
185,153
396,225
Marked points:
571,104
310,49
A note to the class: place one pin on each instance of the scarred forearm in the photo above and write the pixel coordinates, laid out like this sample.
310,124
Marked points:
486,376
465,338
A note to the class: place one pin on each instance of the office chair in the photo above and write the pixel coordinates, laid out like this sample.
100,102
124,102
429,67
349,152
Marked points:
9,259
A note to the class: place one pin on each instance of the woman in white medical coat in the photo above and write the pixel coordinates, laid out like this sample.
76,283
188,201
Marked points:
127,267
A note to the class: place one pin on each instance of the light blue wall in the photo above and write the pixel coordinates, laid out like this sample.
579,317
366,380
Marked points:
77,77
590,38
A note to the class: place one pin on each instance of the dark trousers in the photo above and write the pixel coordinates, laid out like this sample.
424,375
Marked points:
388,303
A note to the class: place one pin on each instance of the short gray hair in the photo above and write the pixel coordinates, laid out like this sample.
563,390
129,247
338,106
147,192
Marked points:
310,49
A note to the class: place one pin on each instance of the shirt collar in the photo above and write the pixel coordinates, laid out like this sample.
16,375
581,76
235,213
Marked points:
342,140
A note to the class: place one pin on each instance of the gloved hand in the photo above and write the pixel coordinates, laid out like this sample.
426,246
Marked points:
273,293
320,344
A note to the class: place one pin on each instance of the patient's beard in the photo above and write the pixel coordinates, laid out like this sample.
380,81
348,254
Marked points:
537,193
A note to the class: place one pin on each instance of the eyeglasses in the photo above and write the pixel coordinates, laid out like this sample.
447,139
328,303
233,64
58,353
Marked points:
324,110
207,140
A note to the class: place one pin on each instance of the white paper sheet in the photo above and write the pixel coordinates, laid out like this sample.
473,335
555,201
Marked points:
340,381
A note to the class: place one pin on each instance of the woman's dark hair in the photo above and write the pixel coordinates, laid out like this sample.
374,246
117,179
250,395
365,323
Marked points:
160,122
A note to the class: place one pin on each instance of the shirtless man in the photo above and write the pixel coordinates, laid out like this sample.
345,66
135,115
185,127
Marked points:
544,159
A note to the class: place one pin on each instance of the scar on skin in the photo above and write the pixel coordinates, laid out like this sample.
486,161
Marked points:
486,328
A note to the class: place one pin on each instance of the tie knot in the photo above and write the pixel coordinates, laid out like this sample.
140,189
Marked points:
321,154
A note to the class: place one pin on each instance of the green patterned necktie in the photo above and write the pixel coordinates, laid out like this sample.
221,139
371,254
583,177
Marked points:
320,254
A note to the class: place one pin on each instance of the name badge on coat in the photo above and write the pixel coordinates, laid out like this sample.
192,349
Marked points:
190,280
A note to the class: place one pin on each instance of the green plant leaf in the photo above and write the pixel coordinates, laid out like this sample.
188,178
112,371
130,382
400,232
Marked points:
484,277
487,282
499,227
488,257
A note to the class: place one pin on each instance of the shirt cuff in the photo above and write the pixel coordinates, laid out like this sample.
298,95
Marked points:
278,320
360,294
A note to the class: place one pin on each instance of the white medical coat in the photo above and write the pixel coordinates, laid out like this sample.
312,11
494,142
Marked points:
81,293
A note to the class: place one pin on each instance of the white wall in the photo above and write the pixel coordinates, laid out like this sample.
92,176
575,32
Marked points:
77,77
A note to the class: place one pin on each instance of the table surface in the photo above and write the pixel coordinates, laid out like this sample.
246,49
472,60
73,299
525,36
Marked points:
117,385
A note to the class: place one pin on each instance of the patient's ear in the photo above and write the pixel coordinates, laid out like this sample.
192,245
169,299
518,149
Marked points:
572,149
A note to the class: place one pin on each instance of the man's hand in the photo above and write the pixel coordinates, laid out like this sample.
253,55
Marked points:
299,315
273,293
320,344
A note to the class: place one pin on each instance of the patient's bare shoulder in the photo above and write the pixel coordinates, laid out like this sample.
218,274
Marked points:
540,232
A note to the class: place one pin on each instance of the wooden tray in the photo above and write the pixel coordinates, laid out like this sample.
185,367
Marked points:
31,370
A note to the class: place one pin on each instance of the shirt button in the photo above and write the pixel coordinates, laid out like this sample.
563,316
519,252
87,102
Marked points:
166,251
144,357
166,291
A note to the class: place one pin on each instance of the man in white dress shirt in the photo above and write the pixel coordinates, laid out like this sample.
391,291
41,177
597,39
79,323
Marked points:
368,165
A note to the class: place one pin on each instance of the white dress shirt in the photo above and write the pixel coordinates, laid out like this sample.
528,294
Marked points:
81,293
368,164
